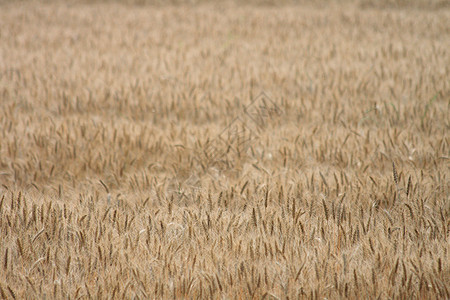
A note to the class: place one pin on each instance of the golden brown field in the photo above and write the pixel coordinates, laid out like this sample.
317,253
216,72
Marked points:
123,175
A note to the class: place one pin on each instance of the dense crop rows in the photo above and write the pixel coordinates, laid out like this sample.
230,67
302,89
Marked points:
222,151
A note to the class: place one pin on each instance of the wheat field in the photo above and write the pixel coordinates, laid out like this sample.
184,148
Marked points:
224,151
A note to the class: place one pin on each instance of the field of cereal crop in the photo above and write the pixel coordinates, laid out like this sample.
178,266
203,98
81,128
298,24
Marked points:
221,150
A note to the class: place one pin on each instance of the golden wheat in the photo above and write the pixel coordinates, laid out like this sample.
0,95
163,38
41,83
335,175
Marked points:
224,151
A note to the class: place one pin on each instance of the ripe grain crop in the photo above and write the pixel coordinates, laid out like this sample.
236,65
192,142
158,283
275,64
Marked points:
228,151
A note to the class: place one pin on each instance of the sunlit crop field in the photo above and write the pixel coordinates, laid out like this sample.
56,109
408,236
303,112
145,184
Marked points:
224,151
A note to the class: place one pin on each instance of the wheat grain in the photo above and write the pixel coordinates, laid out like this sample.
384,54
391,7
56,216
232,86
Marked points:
128,104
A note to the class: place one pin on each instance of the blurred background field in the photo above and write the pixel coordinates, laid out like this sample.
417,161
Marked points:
384,4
